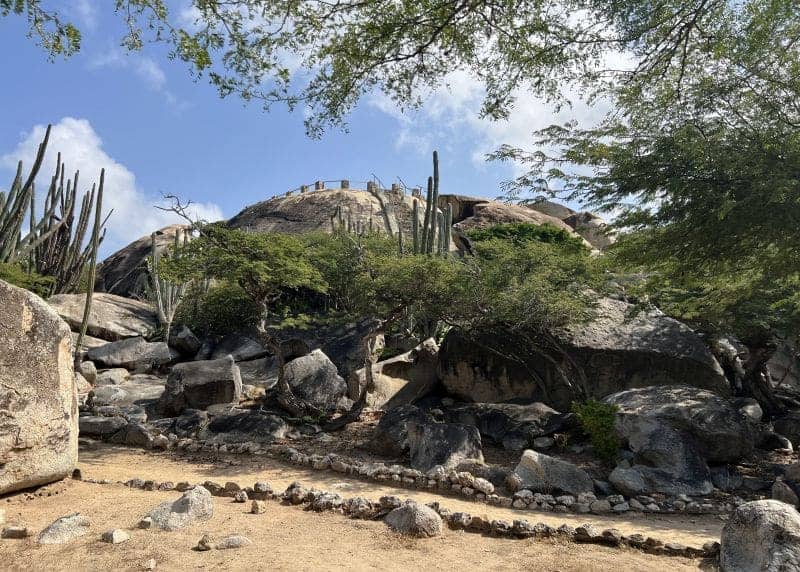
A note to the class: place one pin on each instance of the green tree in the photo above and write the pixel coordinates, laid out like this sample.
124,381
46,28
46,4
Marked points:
710,207
405,48
266,267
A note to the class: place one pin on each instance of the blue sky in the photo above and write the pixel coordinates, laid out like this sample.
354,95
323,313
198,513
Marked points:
157,131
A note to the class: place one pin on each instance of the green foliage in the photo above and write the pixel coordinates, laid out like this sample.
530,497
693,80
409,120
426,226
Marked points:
16,275
223,309
522,233
597,421
409,47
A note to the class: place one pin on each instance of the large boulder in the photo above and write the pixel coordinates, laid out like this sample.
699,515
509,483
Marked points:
315,380
135,354
65,529
390,436
378,209
511,425
488,213
592,228
414,519
194,504
199,384
402,379
761,535
242,427
124,273
445,444
241,345
549,208
111,318
38,395
542,473
674,432
618,349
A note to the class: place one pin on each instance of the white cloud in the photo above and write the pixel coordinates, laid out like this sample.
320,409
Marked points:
85,11
81,149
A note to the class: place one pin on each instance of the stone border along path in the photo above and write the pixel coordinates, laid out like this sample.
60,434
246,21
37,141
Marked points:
461,483
361,508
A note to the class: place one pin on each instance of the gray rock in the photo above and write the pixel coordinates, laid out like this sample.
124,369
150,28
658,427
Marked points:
789,426
240,346
125,272
510,425
65,529
542,473
315,379
38,393
390,436
240,427
135,354
785,492
593,229
761,535
402,379
616,352
194,504
200,384
233,541
133,434
184,341
415,519
445,444
674,432
99,426
111,318
116,536
726,478
114,376
88,370
262,372
15,532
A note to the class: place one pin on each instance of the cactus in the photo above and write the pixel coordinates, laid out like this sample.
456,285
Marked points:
400,241
448,227
94,244
53,245
165,295
415,225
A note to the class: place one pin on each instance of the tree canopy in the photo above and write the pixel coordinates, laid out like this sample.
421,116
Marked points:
326,55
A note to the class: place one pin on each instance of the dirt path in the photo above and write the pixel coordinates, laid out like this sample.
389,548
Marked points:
121,464
284,538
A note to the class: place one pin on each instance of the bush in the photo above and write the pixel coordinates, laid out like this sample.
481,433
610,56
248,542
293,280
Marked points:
597,422
520,233
36,283
223,309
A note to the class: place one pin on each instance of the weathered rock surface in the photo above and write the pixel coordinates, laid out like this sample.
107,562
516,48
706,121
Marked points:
510,425
445,444
135,354
550,208
390,436
38,396
241,345
488,213
111,318
194,504
65,529
542,473
614,351
403,379
592,228
184,341
99,426
199,384
315,379
761,535
786,491
414,519
312,211
240,427
113,376
125,272
674,432
788,425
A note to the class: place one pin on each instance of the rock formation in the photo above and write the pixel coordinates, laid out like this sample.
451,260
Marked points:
38,396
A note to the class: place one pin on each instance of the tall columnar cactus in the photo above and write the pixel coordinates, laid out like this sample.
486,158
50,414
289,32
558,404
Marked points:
415,226
426,224
53,245
94,245
164,294
448,226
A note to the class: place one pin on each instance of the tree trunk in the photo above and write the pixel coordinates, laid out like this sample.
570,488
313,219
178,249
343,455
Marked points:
756,384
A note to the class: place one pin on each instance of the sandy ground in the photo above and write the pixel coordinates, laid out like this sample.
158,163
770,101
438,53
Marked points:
289,538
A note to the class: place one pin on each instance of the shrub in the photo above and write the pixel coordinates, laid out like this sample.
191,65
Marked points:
520,233
223,309
36,283
597,422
